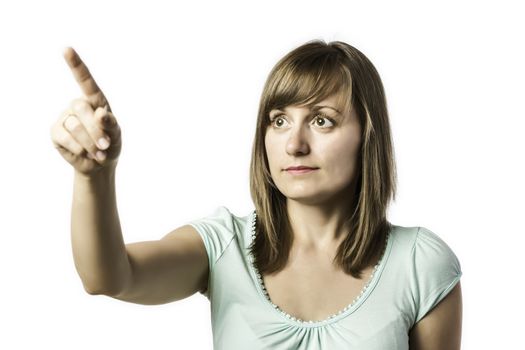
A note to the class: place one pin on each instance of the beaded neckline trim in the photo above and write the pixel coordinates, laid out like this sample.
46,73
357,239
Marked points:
329,318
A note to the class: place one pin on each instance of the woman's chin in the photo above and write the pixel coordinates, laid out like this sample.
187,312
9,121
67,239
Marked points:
307,197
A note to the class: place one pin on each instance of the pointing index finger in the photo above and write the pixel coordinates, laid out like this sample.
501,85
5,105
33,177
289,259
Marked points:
85,79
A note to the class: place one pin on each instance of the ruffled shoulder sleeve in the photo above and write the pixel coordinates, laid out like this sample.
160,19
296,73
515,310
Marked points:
217,232
435,271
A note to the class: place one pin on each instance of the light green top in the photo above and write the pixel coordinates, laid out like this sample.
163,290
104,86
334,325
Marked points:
417,270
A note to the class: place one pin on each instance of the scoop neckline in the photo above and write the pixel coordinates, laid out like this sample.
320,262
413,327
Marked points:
349,309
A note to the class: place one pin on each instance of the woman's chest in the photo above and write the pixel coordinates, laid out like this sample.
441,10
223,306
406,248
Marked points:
313,290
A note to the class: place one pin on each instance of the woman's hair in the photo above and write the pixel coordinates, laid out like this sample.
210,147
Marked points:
309,74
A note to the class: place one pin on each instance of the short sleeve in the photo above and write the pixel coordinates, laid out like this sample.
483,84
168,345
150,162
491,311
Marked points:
217,232
436,270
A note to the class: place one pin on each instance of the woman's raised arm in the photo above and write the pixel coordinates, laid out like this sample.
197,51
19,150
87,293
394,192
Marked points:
145,272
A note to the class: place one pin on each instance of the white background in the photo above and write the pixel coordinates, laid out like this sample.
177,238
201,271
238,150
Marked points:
184,81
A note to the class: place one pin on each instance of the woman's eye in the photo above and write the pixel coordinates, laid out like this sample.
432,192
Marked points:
323,121
278,121
320,120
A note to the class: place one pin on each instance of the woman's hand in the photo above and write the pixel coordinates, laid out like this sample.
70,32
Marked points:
87,134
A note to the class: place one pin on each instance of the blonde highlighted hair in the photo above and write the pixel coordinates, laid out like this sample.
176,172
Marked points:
305,76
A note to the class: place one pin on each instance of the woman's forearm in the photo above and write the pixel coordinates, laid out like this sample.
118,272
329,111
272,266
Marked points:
98,246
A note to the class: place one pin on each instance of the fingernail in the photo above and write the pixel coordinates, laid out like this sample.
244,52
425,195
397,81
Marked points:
101,155
103,143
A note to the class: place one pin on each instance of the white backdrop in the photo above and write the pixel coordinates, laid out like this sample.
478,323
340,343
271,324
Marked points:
184,82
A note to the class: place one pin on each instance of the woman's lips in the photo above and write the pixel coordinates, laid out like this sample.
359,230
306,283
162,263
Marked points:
300,170
300,167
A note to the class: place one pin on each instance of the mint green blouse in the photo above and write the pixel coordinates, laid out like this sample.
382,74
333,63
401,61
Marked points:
416,271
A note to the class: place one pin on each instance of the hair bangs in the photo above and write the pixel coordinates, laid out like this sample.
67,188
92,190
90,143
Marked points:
308,81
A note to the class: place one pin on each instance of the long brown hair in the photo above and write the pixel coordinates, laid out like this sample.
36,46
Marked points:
307,75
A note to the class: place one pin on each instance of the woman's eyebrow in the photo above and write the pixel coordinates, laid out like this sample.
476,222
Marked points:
314,108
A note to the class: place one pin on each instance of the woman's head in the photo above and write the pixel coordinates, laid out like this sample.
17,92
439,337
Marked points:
291,131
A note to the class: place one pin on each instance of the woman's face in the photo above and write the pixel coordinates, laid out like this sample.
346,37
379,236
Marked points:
324,138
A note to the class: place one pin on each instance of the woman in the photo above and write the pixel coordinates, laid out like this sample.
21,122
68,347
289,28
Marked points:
316,265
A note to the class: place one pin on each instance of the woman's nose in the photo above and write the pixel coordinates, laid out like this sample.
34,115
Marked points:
297,142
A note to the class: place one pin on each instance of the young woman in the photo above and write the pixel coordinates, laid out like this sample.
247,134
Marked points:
316,265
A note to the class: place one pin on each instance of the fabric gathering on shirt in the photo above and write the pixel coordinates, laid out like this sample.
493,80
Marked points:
416,271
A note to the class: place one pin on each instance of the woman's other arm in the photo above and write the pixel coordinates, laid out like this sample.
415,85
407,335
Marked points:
441,327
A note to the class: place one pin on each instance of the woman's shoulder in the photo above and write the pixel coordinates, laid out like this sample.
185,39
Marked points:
224,222
418,238
425,252
218,229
